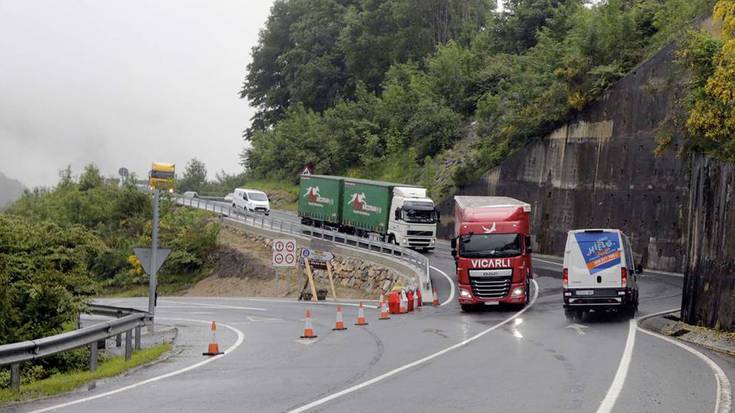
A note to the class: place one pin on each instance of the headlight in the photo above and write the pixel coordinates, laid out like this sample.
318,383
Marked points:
518,291
464,293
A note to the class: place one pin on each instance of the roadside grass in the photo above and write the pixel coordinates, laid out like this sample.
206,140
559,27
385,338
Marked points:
64,382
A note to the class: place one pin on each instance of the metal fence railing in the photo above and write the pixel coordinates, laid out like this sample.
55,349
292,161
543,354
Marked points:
128,320
275,224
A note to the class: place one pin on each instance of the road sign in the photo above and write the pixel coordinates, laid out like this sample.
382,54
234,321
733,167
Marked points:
284,252
123,172
314,255
144,256
306,171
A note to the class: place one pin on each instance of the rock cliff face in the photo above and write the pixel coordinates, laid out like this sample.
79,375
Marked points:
600,170
709,284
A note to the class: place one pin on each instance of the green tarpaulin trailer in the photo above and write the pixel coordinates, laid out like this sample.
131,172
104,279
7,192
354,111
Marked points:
320,198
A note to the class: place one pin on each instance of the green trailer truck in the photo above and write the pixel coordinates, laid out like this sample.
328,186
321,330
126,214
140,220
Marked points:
397,213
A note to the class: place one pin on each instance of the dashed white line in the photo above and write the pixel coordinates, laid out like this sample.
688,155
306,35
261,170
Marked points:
451,284
238,342
417,362
210,305
617,384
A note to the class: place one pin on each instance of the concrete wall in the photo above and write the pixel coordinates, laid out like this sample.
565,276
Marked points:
600,170
710,277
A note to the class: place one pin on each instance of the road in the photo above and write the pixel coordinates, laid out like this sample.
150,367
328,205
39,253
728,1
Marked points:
438,359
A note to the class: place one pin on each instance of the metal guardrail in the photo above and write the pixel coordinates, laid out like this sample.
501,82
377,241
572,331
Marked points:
127,320
409,256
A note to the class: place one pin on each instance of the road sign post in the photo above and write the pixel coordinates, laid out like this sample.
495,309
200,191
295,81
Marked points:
152,280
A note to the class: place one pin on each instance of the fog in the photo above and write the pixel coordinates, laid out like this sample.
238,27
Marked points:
123,83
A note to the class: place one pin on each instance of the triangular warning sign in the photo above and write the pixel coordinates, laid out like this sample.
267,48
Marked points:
306,171
144,255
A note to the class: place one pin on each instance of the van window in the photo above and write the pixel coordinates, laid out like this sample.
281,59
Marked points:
600,249
257,196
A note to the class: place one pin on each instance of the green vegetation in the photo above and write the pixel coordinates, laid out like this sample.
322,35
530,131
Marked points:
64,382
711,101
435,91
61,246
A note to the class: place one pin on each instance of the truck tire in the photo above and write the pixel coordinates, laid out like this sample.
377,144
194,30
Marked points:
467,308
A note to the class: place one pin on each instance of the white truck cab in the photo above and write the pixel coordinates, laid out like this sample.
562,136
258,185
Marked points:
599,273
251,200
414,218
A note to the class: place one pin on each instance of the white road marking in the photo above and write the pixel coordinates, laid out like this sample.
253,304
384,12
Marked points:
221,306
256,319
451,284
558,264
723,402
417,362
579,328
238,342
617,384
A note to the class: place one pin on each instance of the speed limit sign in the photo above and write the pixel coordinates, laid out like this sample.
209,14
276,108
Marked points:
284,252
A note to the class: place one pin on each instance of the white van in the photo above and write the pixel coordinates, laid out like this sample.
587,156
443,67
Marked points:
599,273
251,200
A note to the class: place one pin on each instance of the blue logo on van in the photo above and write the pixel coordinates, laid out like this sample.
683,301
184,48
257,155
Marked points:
601,250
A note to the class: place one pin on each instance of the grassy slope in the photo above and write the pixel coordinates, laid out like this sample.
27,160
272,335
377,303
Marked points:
65,382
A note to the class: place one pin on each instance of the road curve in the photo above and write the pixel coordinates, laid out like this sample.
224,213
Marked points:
531,362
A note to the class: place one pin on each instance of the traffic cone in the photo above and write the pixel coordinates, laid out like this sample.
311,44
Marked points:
340,324
213,349
415,300
308,330
404,303
383,309
435,300
361,316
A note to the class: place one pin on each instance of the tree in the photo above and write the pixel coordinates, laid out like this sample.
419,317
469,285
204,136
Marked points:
90,178
194,177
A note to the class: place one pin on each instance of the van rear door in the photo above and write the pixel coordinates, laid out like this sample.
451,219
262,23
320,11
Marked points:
598,259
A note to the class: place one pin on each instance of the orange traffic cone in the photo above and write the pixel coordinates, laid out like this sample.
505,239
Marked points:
213,349
383,309
340,324
403,308
361,316
435,301
308,330
415,300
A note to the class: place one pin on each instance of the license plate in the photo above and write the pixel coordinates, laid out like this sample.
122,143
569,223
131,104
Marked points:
491,302
585,292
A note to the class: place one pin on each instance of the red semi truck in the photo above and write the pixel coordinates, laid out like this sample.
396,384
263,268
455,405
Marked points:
492,250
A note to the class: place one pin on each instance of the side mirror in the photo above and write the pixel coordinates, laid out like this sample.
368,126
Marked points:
454,254
638,268
397,213
438,214
453,243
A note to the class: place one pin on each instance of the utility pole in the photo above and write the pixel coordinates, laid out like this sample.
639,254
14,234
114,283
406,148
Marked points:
152,283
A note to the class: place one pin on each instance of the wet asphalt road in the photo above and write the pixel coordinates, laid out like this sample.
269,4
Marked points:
534,362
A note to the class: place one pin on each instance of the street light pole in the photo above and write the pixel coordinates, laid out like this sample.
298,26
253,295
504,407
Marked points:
154,254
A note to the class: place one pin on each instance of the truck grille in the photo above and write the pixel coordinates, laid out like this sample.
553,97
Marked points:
490,287
420,233
419,242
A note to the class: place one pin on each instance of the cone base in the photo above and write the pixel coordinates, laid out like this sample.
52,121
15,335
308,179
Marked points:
308,336
339,329
212,354
384,318
361,324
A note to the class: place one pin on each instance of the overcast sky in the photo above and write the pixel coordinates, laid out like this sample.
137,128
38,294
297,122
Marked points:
123,83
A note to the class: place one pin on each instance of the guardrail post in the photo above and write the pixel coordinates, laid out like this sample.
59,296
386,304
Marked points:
128,344
137,337
93,356
118,340
15,376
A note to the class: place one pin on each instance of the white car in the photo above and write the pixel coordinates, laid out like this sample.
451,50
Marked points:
191,194
599,273
251,200
230,197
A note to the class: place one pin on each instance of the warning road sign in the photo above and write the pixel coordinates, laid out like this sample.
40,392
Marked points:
284,252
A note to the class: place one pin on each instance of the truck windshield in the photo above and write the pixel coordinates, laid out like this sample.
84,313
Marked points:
419,212
490,245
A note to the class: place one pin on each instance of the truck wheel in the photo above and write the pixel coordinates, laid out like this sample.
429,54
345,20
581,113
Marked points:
467,308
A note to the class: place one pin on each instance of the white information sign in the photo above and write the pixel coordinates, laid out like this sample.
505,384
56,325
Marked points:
284,253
